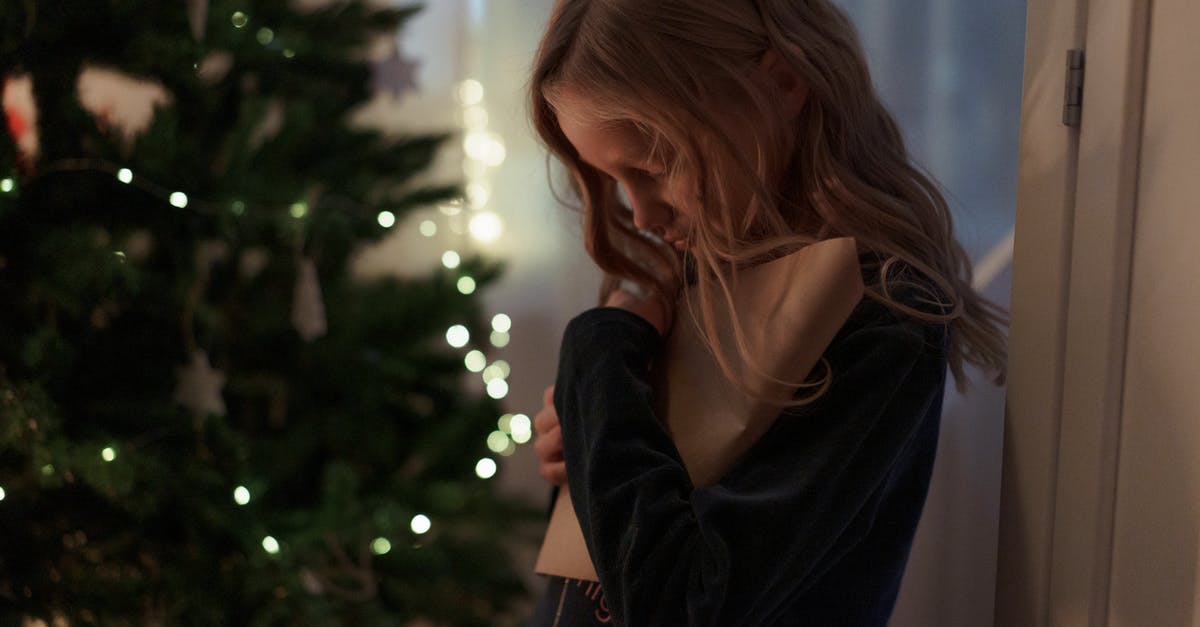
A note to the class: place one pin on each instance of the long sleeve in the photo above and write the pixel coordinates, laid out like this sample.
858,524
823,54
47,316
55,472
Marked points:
746,550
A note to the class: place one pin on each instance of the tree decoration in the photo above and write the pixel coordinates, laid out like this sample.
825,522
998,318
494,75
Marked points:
308,311
199,387
176,446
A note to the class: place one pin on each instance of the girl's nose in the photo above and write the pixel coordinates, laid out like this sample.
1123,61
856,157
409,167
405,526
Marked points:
650,213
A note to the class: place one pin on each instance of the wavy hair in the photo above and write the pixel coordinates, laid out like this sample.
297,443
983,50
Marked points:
683,74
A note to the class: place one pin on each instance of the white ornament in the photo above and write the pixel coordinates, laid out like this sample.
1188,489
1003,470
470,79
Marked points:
198,17
308,311
198,387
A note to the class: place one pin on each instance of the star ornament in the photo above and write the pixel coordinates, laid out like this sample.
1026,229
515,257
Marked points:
395,74
198,387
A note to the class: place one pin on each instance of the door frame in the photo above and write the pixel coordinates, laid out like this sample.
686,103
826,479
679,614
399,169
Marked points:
1072,255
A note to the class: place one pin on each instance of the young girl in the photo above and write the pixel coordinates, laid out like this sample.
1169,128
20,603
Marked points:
704,136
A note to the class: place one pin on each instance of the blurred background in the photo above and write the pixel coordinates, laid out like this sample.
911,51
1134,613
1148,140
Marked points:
950,71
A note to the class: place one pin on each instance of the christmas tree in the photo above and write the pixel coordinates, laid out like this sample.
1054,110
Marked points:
205,418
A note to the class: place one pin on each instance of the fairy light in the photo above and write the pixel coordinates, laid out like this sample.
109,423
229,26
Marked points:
470,92
108,454
2,492
241,495
179,199
485,468
505,423
458,336
478,195
48,469
522,428
125,175
492,373
497,388
288,53
501,323
486,227
270,545
120,255
475,117
497,441
475,361
380,546
500,339
239,19
420,524
428,228
450,209
502,368
466,285
298,209
451,259
387,219
265,36
237,207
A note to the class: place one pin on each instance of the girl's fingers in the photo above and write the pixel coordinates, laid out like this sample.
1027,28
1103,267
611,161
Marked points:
555,473
549,445
545,420
548,397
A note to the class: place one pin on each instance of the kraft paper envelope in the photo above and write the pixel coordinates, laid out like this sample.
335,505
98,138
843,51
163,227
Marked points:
791,309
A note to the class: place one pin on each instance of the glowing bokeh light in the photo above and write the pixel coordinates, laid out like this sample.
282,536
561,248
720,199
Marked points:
458,336
485,468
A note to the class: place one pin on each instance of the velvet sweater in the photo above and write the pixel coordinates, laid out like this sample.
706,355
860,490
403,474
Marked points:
812,526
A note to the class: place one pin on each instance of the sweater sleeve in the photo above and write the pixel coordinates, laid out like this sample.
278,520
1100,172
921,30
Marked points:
738,552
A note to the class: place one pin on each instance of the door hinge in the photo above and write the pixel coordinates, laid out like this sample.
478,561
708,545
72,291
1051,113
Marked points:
1073,103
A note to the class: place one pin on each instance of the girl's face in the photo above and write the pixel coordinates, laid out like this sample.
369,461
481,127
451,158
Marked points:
663,204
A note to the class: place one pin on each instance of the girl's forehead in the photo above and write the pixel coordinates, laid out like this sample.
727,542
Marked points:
605,145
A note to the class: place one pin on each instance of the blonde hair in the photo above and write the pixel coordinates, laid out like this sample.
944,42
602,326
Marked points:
680,72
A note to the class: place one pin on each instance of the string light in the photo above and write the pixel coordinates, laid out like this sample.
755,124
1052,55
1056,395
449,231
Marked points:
486,227
265,36
125,175
380,546
387,219
466,285
522,428
298,209
450,259
48,469
501,323
470,92
509,450
499,339
497,388
502,368
288,53
237,207
478,195
485,468
241,495
491,373
7,185
420,524
239,19
1,494
505,423
475,361
109,453
270,545
458,336
497,441
120,255
179,199
428,228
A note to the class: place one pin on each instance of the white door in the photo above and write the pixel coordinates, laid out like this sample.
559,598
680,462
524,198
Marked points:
1100,514
1156,534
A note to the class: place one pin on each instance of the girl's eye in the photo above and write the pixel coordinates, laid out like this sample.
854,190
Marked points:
652,175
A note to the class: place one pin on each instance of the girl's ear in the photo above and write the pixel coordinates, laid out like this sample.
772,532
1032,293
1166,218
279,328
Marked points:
776,70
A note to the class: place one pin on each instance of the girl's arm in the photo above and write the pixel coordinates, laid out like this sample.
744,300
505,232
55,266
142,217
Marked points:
739,552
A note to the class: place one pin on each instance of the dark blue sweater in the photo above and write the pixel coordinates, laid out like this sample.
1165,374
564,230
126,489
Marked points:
812,527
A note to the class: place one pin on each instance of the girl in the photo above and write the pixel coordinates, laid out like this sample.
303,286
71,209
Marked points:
704,136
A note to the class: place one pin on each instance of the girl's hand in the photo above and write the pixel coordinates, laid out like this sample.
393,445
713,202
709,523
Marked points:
649,307
548,443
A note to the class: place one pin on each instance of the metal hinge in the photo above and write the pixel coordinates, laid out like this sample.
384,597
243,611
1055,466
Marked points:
1073,103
